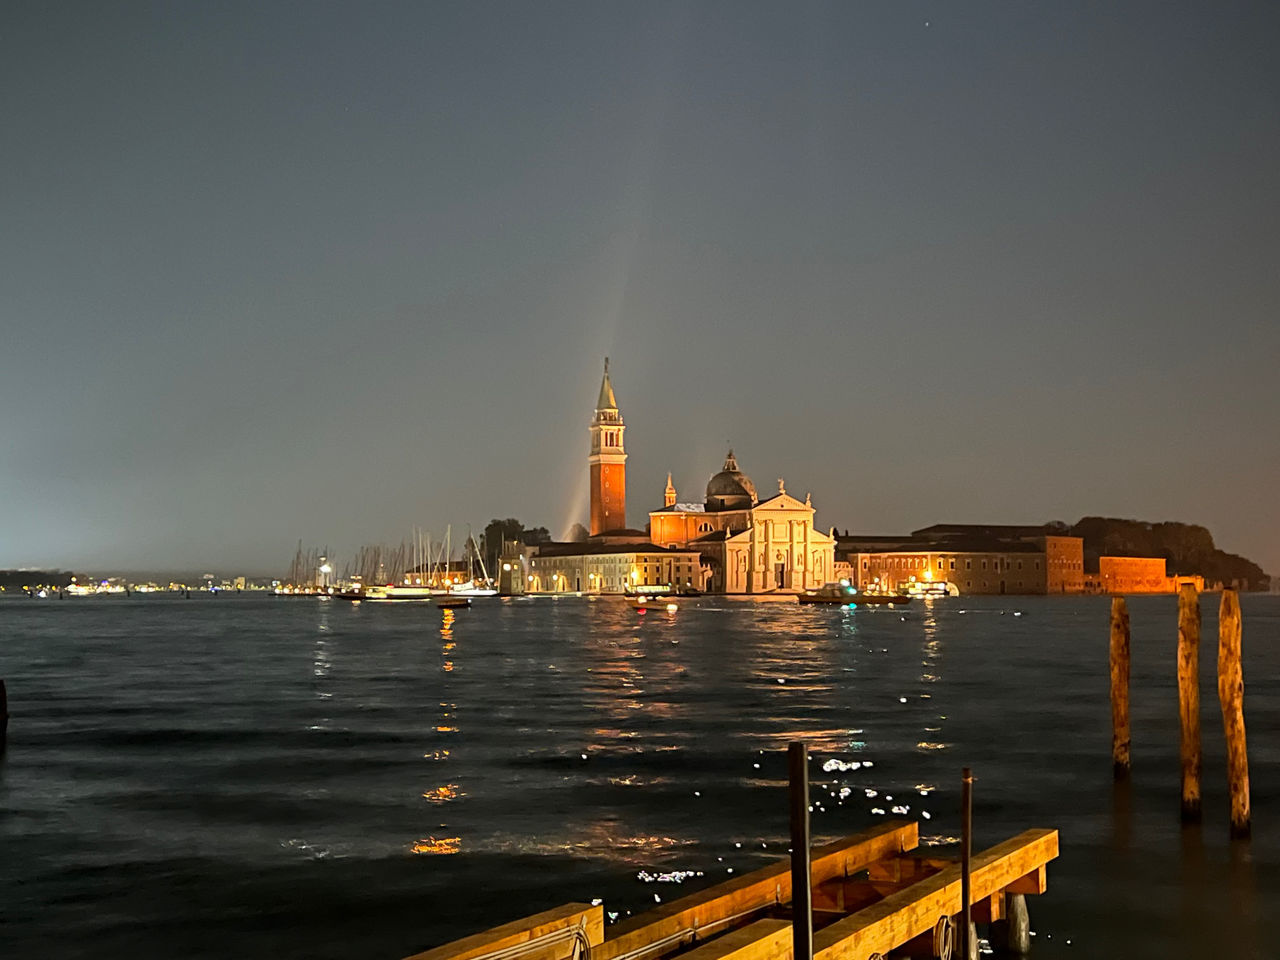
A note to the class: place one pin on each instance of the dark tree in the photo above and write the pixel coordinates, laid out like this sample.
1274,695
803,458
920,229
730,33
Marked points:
1188,549
496,532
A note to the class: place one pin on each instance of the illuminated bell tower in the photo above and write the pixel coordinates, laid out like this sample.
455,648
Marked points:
608,462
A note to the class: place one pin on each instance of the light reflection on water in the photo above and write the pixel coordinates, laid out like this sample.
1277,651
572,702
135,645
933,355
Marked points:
536,752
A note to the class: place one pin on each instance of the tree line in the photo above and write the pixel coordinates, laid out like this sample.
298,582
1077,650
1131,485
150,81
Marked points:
496,532
1187,548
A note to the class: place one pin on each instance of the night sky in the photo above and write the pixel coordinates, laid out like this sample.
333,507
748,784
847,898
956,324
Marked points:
272,271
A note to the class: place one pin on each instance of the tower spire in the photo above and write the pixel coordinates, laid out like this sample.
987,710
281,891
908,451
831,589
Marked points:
607,400
669,495
608,462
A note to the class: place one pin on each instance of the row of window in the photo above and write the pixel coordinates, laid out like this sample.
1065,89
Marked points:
904,563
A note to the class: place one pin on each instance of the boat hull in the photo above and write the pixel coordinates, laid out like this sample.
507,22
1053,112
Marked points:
855,599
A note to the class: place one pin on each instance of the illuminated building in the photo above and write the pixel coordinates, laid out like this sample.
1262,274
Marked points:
603,567
975,559
1135,575
608,462
747,545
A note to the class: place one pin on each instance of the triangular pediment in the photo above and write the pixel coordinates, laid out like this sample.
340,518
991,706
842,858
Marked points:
783,501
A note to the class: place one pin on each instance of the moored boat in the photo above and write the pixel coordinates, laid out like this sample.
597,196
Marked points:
845,594
893,599
391,592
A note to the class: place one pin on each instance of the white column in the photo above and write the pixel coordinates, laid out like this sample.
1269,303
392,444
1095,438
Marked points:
809,579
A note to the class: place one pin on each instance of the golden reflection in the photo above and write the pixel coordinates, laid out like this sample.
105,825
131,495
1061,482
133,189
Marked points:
939,840
437,845
609,839
443,793
837,740
614,733
446,714
446,634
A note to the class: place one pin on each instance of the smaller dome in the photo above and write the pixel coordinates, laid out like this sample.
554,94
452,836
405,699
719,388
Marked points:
730,489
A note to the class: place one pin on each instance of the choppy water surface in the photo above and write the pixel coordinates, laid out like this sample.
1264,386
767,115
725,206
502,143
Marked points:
265,777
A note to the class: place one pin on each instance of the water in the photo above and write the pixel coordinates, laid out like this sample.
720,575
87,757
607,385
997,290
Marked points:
311,779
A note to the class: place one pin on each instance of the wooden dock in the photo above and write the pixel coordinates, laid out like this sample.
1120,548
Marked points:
873,892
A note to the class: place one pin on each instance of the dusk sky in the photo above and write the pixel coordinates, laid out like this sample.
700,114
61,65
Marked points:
279,271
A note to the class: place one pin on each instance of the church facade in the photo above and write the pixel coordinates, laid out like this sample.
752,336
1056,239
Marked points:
748,546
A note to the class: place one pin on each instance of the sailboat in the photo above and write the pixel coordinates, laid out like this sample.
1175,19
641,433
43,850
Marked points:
411,587
481,586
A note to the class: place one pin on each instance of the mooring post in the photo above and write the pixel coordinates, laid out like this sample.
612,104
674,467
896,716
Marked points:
1189,697
1119,688
1019,924
801,887
1231,696
967,940
4,715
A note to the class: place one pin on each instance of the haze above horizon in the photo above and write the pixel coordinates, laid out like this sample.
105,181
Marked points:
329,272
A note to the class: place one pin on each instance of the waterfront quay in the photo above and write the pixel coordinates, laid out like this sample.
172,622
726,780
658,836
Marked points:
739,541
314,779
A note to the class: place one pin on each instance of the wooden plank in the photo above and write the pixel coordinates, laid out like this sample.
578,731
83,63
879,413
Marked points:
670,926
845,895
763,940
989,909
905,869
560,919
913,911
1036,881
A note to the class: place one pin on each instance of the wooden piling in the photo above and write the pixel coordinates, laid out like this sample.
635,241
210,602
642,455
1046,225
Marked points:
1231,696
801,874
1189,697
967,941
4,715
1120,762
1018,936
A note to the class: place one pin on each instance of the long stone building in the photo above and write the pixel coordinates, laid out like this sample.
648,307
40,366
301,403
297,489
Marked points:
976,559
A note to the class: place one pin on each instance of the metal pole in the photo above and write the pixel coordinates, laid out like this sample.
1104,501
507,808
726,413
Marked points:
966,847
801,892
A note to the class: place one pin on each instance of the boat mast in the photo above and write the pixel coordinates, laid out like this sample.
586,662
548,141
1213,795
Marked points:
484,573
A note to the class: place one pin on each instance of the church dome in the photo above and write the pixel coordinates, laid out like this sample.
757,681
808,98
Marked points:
730,489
